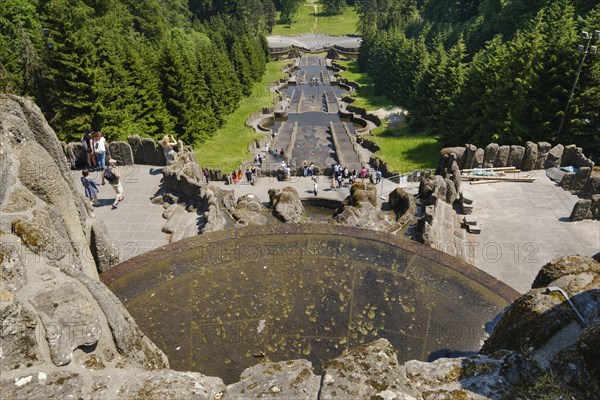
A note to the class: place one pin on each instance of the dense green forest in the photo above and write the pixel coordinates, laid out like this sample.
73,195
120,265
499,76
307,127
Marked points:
478,71
127,67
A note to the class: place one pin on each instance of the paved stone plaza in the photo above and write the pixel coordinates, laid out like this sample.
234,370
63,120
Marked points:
135,226
525,225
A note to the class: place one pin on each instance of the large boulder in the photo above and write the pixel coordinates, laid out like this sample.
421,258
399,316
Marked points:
456,177
135,142
473,378
185,177
451,193
581,178
515,157
370,371
152,154
595,207
469,156
554,156
18,333
249,211
121,152
570,154
588,345
286,204
490,153
98,381
479,156
581,210
363,192
565,266
592,186
568,180
502,156
541,322
76,155
283,380
64,306
543,150
531,155
403,204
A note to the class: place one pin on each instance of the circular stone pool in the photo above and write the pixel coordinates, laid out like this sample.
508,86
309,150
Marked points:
219,302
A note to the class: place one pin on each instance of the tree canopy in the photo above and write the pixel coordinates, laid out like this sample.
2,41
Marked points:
486,70
145,67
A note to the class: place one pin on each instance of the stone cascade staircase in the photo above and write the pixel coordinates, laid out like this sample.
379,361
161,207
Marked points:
313,144
296,101
344,147
282,141
331,104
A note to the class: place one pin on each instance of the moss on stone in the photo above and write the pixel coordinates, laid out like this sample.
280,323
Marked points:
301,377
93,363
545,387
30,234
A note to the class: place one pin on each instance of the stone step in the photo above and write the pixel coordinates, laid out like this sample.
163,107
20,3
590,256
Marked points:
469,220
475,229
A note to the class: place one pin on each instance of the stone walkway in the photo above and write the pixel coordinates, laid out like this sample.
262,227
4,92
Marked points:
525,225
135,226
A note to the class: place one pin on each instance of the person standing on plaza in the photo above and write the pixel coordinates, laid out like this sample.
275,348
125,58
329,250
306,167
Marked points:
113,176
100,150
315,186
88,145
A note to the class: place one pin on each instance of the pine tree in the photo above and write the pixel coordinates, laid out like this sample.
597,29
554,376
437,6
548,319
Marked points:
71,71
333,7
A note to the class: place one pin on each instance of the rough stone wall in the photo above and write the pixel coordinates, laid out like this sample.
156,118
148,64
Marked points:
135,151
440,226
59,323
584,183
529,157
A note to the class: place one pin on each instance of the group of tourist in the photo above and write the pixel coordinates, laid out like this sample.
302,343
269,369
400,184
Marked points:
110,174
94,146
237,176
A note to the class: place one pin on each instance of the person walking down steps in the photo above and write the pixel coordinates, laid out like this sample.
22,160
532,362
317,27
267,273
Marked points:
113,176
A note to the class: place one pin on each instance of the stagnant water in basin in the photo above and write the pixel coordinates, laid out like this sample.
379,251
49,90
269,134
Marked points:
214,302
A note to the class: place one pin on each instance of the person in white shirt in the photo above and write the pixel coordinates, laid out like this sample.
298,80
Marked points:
100,150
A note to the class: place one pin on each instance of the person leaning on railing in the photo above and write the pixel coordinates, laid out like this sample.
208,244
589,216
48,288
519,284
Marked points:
168,142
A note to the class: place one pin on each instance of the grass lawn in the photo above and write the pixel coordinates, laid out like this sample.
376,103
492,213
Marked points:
229,145
405,151
401,149
307,21
365,97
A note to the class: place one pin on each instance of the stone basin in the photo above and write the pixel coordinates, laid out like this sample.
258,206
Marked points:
221,302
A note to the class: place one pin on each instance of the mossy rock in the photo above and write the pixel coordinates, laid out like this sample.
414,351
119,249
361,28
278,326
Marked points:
40,239
529,323
570,265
